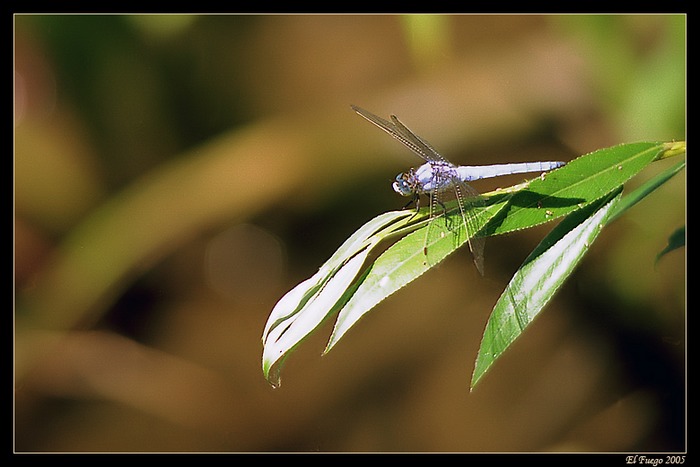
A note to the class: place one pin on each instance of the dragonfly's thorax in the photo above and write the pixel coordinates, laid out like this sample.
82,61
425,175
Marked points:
435,176
429,177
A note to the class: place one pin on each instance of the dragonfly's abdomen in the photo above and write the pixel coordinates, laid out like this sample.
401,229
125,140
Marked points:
476,172
441,176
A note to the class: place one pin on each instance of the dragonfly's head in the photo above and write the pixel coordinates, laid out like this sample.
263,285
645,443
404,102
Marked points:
405,184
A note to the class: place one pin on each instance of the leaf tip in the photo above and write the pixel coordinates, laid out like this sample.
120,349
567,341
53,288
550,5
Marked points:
271,371
480,368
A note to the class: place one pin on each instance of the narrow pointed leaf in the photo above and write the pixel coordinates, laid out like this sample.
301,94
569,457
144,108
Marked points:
293,300
581,181
534,284
285,336
304,307
405,261
643,191
675,241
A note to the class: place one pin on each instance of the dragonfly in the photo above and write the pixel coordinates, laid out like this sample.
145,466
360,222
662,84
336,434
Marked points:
438,178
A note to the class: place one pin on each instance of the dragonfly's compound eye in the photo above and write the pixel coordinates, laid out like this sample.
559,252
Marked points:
402,185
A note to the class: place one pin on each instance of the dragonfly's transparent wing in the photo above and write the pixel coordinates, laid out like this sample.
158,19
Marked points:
430,154
400,132
467,201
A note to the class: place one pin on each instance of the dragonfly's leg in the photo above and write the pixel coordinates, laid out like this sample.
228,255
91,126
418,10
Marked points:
444,210
412,201
415,200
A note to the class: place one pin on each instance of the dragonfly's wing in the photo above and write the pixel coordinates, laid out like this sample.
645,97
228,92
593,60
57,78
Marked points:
400,132
468,201
429,152
468,210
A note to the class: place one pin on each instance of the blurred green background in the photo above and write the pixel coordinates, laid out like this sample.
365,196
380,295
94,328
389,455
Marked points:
175,175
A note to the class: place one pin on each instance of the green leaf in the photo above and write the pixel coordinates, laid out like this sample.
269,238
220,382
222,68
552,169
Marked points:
584,179
405,261
511,316
295,298
304,307
675,241
534,284
316,302
644,190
